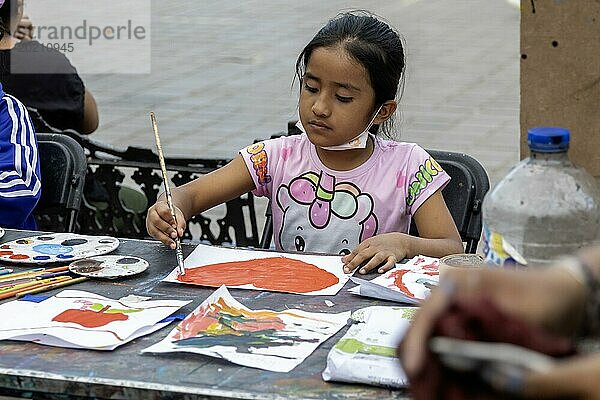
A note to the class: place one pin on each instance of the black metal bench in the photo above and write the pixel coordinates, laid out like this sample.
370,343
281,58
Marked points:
113,172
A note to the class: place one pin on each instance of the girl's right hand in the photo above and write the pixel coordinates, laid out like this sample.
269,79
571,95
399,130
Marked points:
161,225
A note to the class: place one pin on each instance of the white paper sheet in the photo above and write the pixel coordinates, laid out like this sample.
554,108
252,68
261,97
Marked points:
275,341
411,281
264,270
78,319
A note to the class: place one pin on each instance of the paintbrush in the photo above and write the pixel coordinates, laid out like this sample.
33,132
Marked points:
52,286
32,285
163,168
57,269
32,277
29,272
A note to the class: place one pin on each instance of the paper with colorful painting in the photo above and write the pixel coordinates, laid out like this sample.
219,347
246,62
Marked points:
78,319
406,283
367,352
224,328
264,270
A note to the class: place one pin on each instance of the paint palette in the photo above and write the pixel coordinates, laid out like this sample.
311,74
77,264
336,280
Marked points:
56,247
109,267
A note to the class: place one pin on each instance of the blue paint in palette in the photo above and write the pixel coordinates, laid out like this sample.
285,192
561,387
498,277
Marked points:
41,258
52,249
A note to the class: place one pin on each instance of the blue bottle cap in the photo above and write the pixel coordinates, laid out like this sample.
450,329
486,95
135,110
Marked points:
548,139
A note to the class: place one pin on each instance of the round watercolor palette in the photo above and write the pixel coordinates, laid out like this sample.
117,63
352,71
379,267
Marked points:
56,247
109,267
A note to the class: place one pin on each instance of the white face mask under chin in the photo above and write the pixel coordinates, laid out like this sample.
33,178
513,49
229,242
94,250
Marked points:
359,142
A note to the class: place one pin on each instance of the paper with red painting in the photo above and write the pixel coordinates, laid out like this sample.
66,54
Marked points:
78,319
266,339
263,270
406,283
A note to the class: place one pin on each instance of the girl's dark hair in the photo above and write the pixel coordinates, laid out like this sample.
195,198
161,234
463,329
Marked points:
371,42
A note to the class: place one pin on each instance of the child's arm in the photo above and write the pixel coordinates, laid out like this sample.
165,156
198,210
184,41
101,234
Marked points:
438,237
194,197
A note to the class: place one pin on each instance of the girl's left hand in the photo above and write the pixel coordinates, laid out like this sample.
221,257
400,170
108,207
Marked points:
382,251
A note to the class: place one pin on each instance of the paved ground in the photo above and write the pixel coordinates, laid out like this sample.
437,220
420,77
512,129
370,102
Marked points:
222,73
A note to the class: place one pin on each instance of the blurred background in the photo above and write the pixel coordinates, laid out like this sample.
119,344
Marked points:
222,73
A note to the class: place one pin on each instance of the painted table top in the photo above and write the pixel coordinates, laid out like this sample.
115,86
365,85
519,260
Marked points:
126,374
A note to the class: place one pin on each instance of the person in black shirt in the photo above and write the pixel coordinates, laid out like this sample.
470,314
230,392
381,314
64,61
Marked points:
56,92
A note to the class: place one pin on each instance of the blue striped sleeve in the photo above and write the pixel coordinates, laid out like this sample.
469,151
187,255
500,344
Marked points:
20,185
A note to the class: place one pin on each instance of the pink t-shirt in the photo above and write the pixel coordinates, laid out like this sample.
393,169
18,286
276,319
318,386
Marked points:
317,209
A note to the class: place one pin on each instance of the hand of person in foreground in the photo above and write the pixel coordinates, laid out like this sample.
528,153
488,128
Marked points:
574,378
161,225
550,298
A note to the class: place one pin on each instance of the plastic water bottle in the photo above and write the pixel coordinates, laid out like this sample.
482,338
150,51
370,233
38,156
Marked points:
545,208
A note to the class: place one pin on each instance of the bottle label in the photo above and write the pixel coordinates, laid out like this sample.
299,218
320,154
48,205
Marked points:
498,252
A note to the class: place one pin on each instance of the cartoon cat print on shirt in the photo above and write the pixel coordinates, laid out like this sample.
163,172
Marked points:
317,211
